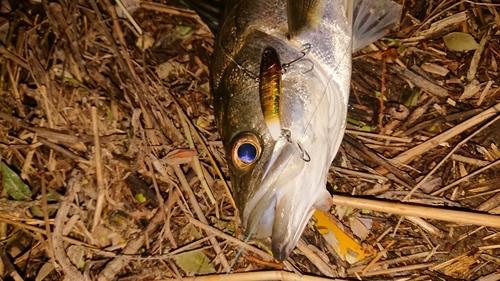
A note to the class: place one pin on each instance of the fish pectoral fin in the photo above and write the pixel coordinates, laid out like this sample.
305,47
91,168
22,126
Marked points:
303,15
370,19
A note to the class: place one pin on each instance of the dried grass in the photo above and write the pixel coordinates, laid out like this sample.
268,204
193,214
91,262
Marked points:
130,158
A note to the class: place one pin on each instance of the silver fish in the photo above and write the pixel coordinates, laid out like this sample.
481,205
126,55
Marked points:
278,169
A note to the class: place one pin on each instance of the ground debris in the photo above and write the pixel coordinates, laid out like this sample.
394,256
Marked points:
112,165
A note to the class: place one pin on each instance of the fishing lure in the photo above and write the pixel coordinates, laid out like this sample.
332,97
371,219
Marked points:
270,82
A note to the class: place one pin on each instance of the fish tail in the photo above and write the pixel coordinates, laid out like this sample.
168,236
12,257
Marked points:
371,19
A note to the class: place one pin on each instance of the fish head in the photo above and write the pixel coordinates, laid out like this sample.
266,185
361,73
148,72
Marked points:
278,183
247,142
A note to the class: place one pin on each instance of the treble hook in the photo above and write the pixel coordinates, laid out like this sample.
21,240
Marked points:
304,52
248,72
306,49
287,135
303,153
310,69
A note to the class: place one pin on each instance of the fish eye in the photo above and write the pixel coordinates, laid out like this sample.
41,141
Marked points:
247,153
246,150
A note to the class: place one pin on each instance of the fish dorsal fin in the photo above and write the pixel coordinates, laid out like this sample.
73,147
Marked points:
370,19
303,15
211,12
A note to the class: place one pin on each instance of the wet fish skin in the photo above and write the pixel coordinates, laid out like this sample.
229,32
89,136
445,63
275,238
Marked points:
278,192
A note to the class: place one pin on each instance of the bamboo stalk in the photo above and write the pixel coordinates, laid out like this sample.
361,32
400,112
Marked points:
257,276
437,213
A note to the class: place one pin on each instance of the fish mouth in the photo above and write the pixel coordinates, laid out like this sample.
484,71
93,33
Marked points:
290,190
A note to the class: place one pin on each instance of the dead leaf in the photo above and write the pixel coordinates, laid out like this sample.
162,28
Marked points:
195,262
431,184
459,42
164,69
130,5
188,234
44,271
145,42
179,156
360,227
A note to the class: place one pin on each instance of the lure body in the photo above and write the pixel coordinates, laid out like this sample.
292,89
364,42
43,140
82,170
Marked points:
270,90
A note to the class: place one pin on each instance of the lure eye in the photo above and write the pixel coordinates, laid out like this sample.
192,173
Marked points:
246,151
